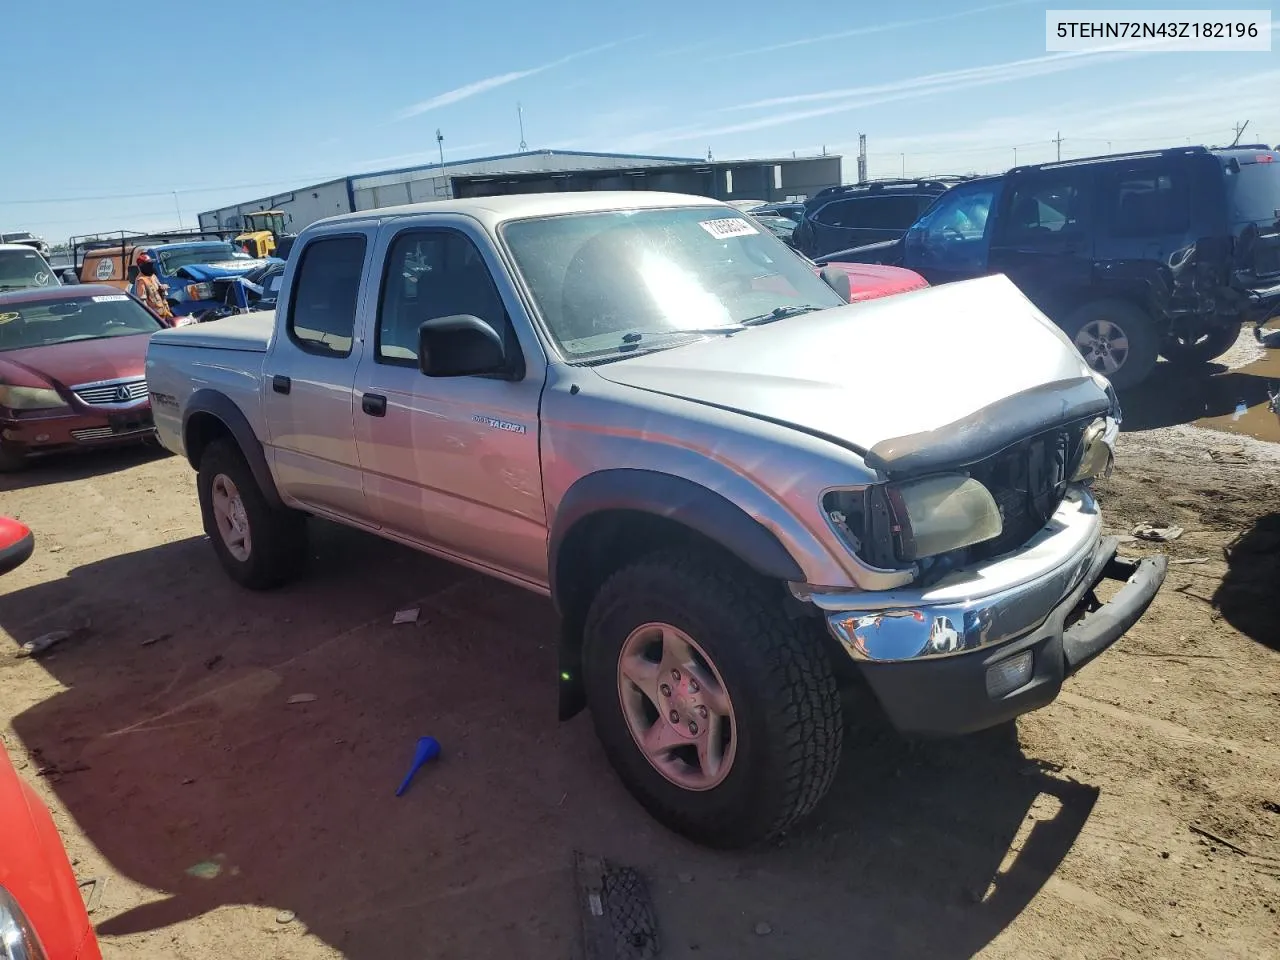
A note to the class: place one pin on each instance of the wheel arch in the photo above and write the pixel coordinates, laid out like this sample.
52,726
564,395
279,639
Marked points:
210,416
609,518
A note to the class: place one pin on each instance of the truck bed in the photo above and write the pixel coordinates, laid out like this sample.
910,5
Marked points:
225,356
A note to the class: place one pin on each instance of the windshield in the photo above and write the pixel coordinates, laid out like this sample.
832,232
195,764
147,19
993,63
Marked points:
606,283
20,269
44,322
15,237
171,260
1254,192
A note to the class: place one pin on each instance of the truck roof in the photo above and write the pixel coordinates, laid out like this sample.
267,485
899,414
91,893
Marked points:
517,206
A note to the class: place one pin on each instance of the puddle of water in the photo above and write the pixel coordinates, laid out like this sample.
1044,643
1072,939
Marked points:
1227,400
1250,414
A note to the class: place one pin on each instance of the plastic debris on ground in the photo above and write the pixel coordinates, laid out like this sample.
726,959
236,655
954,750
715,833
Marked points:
408,615
302,698
33,648
428,749
1157,533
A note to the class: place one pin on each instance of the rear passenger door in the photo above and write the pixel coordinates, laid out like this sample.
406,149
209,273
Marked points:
1043,237
1145,213
452,463
310,373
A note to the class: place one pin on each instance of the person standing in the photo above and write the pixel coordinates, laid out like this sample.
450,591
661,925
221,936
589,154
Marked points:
148,288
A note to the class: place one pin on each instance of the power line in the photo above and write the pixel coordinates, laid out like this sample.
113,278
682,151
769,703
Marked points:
161,193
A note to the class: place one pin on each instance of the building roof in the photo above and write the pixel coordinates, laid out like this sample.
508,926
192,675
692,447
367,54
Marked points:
517,206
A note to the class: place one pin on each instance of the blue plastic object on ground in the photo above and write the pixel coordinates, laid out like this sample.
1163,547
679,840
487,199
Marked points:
427,750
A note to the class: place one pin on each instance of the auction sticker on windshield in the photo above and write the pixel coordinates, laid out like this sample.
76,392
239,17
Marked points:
728,227
113,298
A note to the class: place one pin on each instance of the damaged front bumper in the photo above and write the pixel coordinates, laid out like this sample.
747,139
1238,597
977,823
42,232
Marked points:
986,645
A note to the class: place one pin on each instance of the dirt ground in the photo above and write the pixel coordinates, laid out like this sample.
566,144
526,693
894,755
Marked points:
230,822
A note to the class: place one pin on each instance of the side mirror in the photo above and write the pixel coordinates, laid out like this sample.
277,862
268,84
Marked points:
68,276
459,346
838,281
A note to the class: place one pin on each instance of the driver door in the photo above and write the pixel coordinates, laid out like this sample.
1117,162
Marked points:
952,240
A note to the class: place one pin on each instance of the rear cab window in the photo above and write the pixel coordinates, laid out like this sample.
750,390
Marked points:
1147,200
322,307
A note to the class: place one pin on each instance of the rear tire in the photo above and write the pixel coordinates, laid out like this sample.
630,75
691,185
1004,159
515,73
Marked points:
775,710
1117,338
1212,344
260,546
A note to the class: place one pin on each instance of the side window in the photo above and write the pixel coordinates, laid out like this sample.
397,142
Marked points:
893,212
322,314
960,214
1045,205
1144,202
431,274
840,213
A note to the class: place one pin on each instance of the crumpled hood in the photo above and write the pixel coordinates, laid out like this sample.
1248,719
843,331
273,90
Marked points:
199,272
873,371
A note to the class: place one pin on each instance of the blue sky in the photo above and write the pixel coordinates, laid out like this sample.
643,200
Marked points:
122,113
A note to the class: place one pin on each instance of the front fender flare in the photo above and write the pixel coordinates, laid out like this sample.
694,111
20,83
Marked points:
218,405
675,498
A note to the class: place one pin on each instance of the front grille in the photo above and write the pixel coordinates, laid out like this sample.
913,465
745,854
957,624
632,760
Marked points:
112,392
1027,481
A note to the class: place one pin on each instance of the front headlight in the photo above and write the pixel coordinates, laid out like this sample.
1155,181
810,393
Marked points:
29,398
1096,456
939,514
17,939
890,525
199,291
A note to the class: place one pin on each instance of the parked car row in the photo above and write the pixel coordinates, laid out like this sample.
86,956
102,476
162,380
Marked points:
1135,256
740,491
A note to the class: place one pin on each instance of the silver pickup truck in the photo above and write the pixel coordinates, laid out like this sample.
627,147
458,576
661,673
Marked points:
740,492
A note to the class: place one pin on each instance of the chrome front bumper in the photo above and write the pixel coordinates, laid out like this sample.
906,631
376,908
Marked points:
971,609
987,645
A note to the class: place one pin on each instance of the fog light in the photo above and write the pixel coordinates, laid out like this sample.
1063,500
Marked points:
1009,675
42,438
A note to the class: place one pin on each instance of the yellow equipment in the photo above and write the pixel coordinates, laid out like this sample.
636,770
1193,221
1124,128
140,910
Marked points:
263,229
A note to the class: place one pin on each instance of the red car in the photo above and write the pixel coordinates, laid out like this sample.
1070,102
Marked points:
72,363
42,914
870,281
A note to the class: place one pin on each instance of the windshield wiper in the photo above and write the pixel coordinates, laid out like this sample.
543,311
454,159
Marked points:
630,340
781,313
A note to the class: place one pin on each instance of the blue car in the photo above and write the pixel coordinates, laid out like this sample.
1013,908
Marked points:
190,269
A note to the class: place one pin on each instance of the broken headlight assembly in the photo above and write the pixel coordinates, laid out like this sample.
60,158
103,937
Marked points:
892,525
1095,455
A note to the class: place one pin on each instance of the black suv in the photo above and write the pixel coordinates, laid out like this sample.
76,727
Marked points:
858,213
1135,255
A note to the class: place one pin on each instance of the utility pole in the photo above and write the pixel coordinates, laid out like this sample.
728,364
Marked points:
520,111
440,144
1015,156
862,158
904,165
1240,129
1058,141
177,206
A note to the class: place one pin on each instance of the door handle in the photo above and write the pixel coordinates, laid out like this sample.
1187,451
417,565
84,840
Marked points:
281,384
374,404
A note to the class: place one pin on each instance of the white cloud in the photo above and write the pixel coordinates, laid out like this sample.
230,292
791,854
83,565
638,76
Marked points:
880,28
499,80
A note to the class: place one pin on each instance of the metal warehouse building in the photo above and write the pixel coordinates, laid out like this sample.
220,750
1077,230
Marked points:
539,172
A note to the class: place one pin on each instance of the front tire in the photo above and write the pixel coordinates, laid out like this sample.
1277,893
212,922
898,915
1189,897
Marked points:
1117,338
1194,350
259,546
719,713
